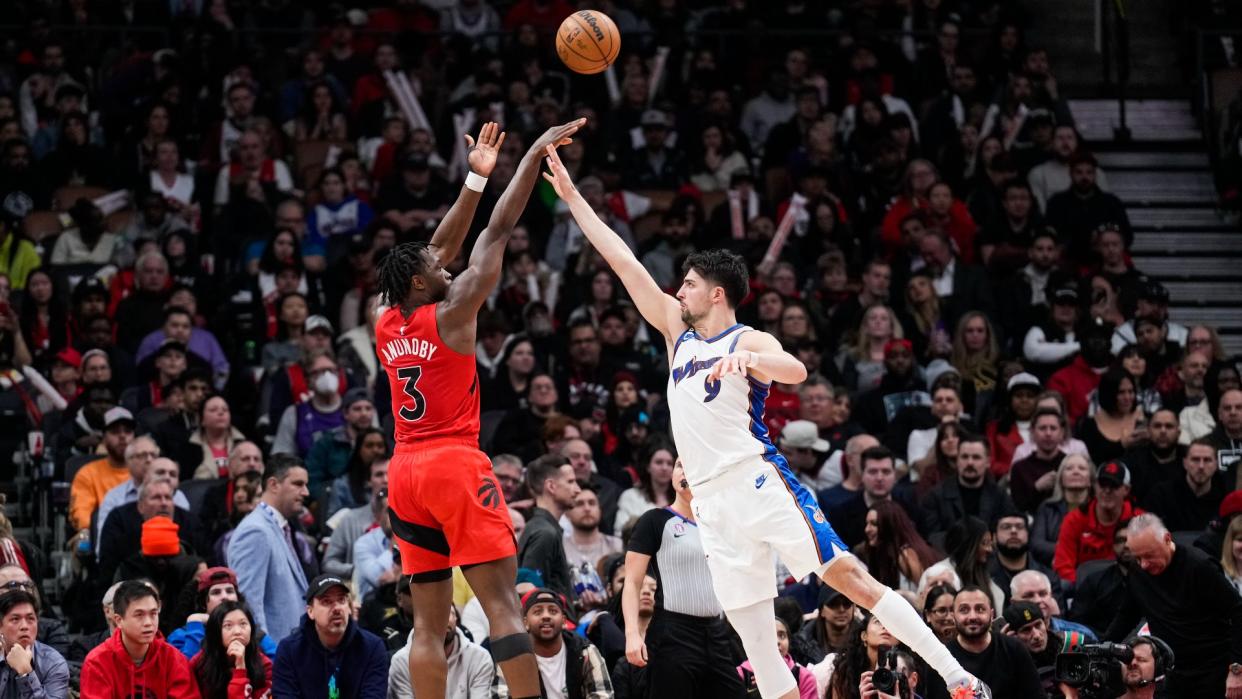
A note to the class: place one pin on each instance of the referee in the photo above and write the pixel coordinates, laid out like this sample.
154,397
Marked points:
690,654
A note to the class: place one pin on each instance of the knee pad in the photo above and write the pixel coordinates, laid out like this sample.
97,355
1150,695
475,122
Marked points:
756,626
511,646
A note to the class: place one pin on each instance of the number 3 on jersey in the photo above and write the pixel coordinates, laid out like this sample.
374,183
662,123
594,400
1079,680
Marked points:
410,376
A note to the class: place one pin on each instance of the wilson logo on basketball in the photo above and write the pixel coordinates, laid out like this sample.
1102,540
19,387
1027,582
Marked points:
489,495
590,19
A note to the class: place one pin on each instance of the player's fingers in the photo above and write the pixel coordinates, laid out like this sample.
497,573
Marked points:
556,159
470,140
500,139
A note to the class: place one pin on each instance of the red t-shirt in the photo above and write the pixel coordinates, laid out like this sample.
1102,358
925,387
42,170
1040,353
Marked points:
435,389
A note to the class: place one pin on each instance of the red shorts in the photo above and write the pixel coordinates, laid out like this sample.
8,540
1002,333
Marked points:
446,507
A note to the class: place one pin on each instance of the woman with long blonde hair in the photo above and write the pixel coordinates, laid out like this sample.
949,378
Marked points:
1073,487
862,365
975,351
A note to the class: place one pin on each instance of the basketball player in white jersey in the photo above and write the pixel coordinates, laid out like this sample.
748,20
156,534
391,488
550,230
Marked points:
748,502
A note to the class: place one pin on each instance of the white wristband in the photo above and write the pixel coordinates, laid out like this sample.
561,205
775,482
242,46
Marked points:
475,182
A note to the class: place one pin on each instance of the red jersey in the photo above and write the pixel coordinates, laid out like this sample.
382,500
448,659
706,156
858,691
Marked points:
435,389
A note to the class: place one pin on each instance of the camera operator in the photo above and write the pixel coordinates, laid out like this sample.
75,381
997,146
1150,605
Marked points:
904,673
1143,674
1189,604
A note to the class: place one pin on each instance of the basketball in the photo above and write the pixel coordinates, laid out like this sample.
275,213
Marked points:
588,42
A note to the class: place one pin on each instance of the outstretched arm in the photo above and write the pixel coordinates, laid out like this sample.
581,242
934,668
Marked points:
446,241
471,289
658,308
760,355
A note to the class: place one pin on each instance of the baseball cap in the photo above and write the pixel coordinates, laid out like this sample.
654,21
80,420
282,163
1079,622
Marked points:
1019,613
355,395
322,584
1065,296
70,356
1023,378
654,117
1152,290
1114,473
802,434
541,595
117,415
216,576
828,595
1231,505
895,343
318,322
89,286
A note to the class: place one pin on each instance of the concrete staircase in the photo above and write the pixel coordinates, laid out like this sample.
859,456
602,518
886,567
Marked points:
1181,238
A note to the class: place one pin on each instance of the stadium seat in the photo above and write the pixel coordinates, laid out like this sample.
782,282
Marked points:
64,197
42,225
196,491
75,464
488,422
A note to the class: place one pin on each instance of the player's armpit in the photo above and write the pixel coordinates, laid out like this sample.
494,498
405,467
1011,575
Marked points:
772,363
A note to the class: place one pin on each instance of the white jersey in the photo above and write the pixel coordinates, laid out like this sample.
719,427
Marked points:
716,424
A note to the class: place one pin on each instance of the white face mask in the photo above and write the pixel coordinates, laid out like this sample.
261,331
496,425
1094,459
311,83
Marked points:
327,383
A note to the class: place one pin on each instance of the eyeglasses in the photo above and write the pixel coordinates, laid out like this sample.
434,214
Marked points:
18,585
941,611
146,455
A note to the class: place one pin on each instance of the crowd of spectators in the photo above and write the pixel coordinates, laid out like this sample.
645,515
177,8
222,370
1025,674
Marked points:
195,196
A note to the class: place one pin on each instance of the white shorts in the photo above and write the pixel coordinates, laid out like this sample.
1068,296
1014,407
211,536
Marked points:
756,511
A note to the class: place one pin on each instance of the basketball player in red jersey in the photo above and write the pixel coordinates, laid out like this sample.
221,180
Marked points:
446,507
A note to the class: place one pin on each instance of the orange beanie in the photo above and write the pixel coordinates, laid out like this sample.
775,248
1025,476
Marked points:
159,537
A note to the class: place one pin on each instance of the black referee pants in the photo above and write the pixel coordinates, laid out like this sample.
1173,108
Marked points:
690,657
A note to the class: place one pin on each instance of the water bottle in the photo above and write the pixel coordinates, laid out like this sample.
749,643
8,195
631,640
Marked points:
586,580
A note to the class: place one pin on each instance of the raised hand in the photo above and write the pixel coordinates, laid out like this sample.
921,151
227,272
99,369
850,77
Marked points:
559,176
483,153
557,136
237,651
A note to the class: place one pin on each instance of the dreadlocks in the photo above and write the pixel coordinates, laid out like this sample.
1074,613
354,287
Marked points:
395,270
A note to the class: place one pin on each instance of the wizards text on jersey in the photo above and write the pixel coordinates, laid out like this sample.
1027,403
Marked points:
691,368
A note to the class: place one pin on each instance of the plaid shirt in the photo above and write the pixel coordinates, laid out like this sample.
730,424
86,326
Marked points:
585,679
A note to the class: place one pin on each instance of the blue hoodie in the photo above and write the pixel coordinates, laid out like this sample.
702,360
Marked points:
304,669
189,639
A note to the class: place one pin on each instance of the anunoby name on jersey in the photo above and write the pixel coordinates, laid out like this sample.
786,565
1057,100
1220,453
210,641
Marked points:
401,347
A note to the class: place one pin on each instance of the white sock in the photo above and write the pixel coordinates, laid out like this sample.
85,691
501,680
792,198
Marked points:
756,626
904,623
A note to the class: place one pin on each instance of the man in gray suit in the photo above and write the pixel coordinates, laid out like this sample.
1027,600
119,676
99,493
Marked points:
262,551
